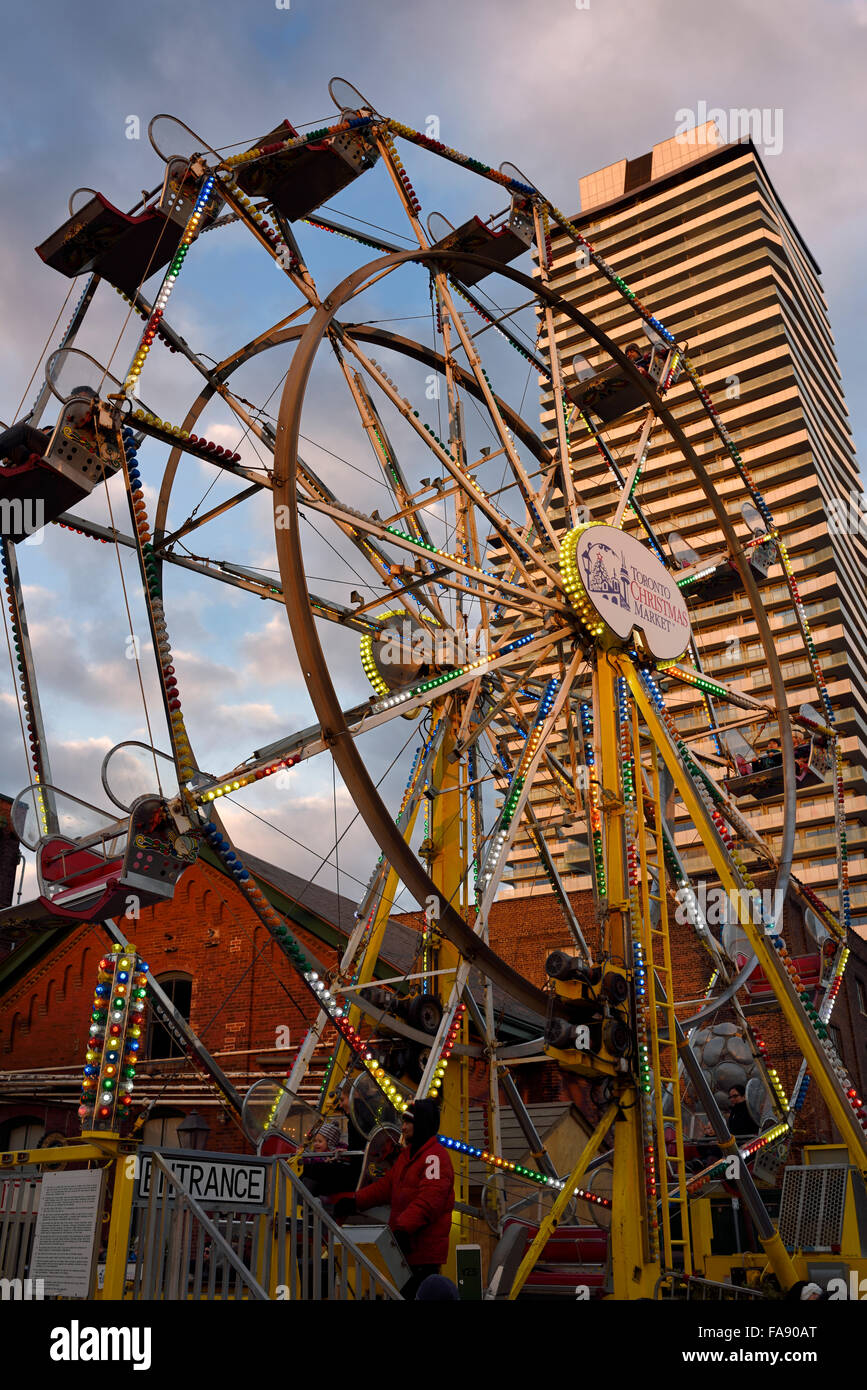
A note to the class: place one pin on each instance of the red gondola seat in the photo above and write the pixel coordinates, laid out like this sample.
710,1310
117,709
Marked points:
87,877
127,248
123,249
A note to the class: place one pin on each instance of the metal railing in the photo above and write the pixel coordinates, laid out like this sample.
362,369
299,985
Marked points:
292,1251
183,1255
691,1288
317,1260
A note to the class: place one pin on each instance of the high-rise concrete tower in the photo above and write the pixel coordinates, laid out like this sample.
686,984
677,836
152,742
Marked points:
699,233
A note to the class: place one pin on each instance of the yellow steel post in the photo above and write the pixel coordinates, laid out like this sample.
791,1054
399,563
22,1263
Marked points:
635,1271
125,1167
448,871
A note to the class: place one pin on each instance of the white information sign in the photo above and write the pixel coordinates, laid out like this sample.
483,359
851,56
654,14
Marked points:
630,588
64,1243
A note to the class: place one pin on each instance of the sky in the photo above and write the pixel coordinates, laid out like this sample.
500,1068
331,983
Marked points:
557,87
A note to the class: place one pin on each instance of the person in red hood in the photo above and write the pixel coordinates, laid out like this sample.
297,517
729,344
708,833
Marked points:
421,1189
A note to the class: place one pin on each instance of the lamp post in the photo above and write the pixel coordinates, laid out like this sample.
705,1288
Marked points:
193,1132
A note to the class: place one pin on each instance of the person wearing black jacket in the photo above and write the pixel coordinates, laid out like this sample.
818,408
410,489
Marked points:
740,1121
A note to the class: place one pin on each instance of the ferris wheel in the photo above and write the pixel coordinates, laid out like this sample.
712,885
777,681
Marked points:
507,661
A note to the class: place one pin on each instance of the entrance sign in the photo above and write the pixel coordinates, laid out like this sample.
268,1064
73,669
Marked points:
65,1240
214,1180
618,585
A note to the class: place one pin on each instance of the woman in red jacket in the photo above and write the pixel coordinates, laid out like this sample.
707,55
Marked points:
421,1190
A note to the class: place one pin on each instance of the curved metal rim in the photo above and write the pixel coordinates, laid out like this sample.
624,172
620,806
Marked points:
305,635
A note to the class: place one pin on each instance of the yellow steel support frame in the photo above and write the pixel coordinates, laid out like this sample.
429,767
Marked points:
125,1172
657,954
784,992
448,825
635,1271
552,1220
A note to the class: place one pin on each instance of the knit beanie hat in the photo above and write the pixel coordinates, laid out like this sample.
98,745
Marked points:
331,1133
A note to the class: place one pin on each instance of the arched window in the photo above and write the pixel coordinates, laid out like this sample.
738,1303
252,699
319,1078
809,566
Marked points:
87,967
14,1032
179,988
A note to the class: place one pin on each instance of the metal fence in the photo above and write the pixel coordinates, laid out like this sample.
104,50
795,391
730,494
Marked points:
19,1204
292,1250
181,1252
171,1239
316,1258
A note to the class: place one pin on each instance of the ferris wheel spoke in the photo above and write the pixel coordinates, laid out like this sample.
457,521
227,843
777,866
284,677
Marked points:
413,698
351,518
383,449
721,689
418,780
318,495
360,719
638,458
563,465
512,538
519,472
288,751
536,833
193,523
517,683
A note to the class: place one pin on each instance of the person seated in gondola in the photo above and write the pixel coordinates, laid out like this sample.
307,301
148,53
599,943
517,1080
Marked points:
20,443
740,1121
771,757
23,441
638,358
324,1168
